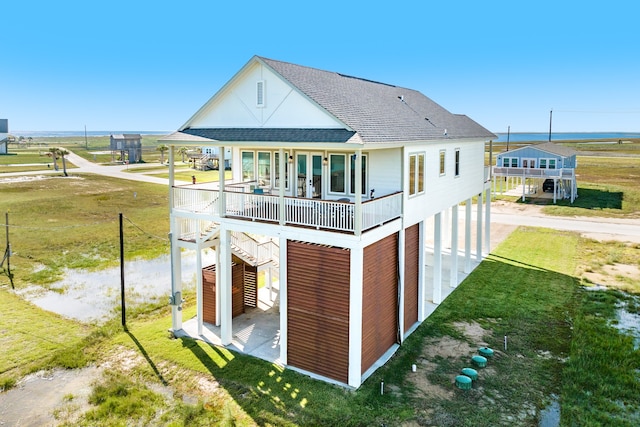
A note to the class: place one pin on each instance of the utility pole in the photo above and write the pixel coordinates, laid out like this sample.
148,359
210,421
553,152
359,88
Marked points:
550,120
7,252
124,315
86,144
508,135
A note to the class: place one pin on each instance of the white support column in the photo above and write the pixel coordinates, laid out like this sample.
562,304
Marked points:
282,277
479,228
487,221
282,165
421,274
437,258
176,279
199,293
222,206
401,255
467,236
453,281
268,281
358,195
446,235
355,317
226,311
218,269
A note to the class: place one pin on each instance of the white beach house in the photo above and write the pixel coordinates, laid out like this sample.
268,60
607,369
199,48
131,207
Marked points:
345,179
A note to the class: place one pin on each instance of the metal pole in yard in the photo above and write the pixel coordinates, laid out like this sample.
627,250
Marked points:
124,316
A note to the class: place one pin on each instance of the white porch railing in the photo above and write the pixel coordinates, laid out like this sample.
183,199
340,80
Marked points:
195,200
531,172
260,252
378,211
319,214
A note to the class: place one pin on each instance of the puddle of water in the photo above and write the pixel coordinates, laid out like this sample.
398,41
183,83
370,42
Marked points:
629,323
550,416
92,296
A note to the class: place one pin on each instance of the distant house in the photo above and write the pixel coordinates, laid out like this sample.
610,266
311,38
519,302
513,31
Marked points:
4,136
209,158
346,180
128,146
534,164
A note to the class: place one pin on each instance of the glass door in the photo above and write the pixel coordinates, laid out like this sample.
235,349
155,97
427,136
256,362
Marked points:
309,175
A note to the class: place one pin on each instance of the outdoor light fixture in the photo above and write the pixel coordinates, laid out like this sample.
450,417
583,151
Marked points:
290,159
325,161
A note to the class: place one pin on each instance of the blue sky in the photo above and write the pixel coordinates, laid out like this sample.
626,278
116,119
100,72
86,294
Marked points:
134,65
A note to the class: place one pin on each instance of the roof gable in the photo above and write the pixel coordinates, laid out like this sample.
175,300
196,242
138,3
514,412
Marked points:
236,104
302,97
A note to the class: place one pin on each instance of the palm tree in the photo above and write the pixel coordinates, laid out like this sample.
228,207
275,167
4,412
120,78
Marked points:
53,153
63,152
162,148
183,151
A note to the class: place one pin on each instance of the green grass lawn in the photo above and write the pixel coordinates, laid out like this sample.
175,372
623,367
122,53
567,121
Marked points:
527,290
72,222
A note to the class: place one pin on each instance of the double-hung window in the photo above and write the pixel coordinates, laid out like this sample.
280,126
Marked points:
416,173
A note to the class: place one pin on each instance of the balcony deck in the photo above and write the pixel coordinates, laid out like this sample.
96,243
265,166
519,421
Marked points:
320,214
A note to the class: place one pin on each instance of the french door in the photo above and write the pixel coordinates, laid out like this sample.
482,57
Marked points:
309,175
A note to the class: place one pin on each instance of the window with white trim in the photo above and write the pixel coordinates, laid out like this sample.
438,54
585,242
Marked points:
416,173
457,168
248,166
337,171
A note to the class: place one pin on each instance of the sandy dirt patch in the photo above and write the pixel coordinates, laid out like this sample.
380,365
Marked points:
615,276
451,349
37,397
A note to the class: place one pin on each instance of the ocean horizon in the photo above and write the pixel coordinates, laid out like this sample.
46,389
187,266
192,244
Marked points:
564,136
65,133
502,137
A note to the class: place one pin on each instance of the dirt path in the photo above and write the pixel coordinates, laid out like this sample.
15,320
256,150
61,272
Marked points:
37,397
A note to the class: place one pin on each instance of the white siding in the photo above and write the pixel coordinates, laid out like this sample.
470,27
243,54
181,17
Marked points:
236,105
442,192
385,171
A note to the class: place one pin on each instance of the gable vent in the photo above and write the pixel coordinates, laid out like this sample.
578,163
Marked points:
260,93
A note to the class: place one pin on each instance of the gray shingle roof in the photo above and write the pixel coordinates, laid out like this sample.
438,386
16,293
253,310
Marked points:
378,112
560,150
273,134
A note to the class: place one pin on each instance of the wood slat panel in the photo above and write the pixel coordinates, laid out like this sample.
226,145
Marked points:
318,309
250,286
411,272
209,292
379,299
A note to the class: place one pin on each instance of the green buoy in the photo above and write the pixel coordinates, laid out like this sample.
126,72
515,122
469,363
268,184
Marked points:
485,351
463,382
471,373
479,361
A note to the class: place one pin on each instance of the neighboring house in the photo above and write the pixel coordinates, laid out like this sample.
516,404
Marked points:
535,164
128,145
4,135
346,179
209,158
